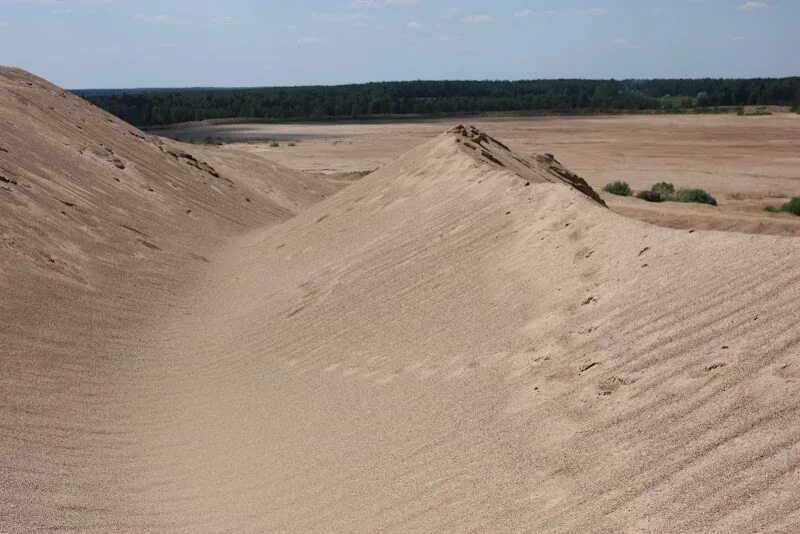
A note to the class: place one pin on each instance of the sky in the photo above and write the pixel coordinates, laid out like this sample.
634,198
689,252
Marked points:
245,43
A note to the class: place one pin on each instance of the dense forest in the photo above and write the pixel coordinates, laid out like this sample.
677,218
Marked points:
150,107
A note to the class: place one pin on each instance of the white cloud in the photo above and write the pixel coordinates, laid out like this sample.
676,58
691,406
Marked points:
593,11
340,17
308,40
218,22
525,13
414,25
368,4
147,18
453,11
160,19
58,2
750,5
624,42
479,18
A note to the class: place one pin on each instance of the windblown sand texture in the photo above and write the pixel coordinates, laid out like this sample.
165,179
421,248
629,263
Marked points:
464,340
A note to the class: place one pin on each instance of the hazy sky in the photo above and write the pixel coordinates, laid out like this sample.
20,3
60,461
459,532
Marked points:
143,43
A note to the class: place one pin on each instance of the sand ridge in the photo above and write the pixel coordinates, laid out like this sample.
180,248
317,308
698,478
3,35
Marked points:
746,162
460,341
537,366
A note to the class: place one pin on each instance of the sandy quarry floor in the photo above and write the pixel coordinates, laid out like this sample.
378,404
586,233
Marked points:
747,163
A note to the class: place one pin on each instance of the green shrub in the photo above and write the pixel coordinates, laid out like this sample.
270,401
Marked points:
292,144
618,188
664,189
793,206
650,196
695,195
274,144
658,193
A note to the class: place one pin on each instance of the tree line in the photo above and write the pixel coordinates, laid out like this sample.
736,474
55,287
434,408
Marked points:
151,107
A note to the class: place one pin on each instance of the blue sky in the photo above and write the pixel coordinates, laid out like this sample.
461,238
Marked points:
176,43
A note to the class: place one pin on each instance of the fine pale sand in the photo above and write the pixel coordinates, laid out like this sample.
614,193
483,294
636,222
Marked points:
747,163
461,341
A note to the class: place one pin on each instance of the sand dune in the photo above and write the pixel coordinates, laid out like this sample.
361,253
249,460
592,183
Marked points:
464,340
746,162
103,233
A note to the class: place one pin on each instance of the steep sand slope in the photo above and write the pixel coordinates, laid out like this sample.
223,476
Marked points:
458,342
101,229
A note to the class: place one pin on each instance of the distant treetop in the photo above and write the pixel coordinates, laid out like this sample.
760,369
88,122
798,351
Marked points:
152,107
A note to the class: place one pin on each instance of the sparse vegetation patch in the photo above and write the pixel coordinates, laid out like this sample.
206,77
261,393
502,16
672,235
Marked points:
695,195
793,207
663,191
758,112
618,188
650,196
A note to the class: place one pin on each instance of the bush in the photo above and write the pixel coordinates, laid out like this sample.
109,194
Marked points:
650,196
793,206
274,144
695,195
664,189
618,188
292,144
658,193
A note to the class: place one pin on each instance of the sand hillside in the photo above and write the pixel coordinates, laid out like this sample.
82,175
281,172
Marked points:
464,340
746,162
102,228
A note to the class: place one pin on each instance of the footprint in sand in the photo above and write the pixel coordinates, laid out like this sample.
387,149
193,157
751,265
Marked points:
331,368
350,371
612,384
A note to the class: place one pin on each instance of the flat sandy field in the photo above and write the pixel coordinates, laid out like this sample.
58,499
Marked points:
747,162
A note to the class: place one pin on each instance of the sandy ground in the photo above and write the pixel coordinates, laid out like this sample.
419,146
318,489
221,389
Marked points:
462,341
747,163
